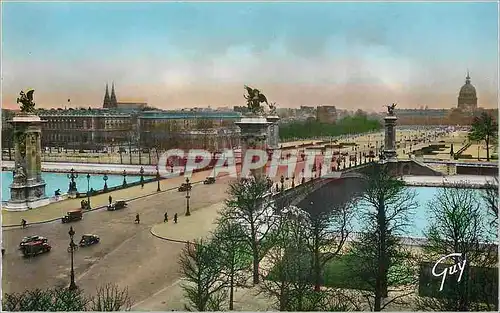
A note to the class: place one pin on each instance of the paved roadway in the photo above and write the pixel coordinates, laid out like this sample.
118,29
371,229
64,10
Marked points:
127,254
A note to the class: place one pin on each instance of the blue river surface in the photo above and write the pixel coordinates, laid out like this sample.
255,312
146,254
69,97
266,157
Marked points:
420,217
56,181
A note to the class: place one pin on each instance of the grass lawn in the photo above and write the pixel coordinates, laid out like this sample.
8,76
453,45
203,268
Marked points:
339,273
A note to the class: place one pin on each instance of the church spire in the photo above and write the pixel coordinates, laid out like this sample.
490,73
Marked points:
114,103
107,102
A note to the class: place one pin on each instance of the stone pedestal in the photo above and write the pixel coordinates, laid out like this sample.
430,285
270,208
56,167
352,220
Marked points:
254,131
390,153
273,135
28,188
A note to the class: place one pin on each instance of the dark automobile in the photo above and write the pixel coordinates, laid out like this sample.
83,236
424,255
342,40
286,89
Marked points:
35,247
33,238
117,205
185,187
88,240
72,216
209,180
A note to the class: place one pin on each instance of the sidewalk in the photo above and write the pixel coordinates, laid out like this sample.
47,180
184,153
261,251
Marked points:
59,209
198,225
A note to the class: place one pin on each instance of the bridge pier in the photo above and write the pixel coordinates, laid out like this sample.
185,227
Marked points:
390,138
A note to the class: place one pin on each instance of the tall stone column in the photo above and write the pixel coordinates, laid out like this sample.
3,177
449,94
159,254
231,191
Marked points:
28,187
253,136
390,138
273,132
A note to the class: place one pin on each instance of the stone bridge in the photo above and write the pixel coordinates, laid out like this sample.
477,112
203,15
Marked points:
336,188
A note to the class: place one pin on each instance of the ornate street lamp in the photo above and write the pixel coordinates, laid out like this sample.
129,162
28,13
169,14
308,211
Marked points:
124,178
158,178
105,178
141,171
72,284
188,188
72,184
120,151
88,191
282,180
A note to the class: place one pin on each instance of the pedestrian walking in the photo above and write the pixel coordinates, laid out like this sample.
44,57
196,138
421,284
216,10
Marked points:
23,223
175,218
165,219
110,199
137,220
142,184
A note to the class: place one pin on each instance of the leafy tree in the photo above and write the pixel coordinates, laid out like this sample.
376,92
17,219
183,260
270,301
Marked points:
201,267
234,254
484,128
380,257
351,124
248,206
458,225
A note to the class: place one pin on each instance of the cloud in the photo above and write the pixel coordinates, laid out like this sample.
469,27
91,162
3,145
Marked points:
364,78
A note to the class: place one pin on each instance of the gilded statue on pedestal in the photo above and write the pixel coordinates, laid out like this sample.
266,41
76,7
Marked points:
26,100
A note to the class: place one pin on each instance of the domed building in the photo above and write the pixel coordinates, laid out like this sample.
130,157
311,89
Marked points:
467,98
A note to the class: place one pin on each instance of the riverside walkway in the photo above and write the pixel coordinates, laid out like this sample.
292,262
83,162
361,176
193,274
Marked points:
57,210
474,181
93,168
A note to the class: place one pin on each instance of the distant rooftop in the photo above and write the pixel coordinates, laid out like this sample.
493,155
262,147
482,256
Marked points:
189,114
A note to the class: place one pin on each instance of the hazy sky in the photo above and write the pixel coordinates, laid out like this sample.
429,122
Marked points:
352,55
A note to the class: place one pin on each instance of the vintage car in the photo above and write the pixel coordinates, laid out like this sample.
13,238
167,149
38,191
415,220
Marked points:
185,187
33,238
117,205
72,216
35,247
88,240
209,180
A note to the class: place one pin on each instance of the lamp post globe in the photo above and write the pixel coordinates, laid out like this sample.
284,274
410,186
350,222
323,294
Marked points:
188,187
105,178
158,178
88,190
72,284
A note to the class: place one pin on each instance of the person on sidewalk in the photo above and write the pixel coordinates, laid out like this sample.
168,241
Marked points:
110,199
165,219
137,220
175,218
23,223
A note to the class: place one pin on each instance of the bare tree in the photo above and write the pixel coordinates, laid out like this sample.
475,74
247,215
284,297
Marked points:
327,231
386,206
110,297
201,267
53,299
290,278
458,225
248,204
490,197
234,253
